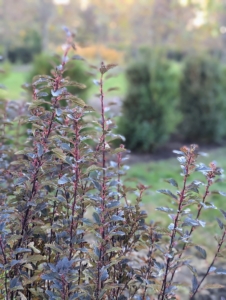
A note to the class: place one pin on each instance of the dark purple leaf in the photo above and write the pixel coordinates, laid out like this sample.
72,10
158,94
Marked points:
220,271
221,225
194,283
223,213
201,251
172,182
40,149
77,57
168,193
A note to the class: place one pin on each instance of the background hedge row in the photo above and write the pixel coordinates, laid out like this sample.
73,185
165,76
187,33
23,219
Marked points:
166,98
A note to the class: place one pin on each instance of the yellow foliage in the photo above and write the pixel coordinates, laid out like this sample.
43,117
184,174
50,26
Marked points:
101,52
97,52
22,33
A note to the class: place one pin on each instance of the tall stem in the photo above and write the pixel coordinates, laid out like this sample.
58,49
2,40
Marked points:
192,229
103,190
182,196
103,144
76,182
5,262
212,263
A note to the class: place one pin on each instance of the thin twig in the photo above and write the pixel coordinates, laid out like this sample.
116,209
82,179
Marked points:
212,263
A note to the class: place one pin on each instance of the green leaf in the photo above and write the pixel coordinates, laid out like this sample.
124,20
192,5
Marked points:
37,293
41,76
114,249
22,296
40,80
54,247
120,233
118,150
59,153
35,258
74,83
92,168
212,286
75,100
20,152
112,89
31,245
37,103
36,126
89,108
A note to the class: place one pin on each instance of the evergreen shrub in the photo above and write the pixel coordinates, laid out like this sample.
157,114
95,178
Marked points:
25,50
46,64
149,111
202,100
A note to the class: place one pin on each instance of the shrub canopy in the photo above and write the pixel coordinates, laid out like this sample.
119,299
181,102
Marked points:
149,108
202,100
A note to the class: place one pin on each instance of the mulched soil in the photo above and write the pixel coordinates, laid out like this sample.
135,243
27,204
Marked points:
166,152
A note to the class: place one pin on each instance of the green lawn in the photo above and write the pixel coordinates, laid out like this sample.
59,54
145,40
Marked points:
17,75
154,175
13,80
118,81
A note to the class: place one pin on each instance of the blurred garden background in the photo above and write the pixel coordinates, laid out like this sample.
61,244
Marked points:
171,79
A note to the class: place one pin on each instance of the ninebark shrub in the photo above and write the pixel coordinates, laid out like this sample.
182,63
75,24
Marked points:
67,227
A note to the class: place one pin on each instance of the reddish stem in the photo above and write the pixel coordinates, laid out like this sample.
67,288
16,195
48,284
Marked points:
212,263
77,173
182,196
192,229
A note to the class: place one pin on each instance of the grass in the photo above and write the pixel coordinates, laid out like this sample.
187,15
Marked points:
154,175
17,75
13,80
117,81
